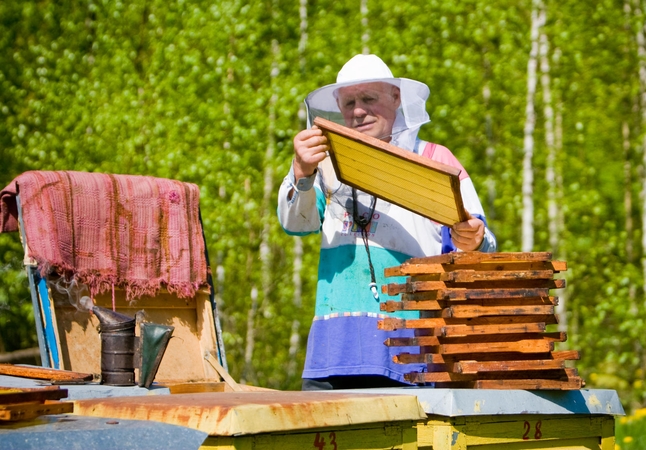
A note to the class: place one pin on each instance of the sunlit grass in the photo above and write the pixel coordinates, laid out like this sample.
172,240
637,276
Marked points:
631,431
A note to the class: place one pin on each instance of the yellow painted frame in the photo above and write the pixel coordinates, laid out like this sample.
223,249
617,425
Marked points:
418,184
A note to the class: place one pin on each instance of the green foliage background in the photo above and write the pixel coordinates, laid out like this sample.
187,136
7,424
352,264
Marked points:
209,92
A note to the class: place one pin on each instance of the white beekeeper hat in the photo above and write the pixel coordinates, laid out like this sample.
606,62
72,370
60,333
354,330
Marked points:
411,114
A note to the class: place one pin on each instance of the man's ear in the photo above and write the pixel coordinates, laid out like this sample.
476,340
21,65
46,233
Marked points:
396,96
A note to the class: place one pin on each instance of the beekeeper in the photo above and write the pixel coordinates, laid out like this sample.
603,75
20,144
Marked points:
361,236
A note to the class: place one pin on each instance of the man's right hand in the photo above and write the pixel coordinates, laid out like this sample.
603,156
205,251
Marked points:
310,147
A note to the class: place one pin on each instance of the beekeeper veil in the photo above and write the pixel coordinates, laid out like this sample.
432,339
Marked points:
411,114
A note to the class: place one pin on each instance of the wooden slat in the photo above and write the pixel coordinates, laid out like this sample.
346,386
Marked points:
494,357
24,395
475,330
436,377
418,286
43,373
470,276
542,375
556,336
475,294
474,367
536,384
468,311
428,305
435,305
527,301
391,324
524,346
479,257
408,268
26,411
411,342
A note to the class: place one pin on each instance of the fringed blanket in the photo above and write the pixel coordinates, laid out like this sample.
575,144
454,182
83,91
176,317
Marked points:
135,232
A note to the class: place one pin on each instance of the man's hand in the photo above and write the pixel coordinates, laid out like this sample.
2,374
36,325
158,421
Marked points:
310,147
468,235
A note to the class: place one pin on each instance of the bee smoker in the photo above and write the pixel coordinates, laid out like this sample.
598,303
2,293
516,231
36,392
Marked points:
122,351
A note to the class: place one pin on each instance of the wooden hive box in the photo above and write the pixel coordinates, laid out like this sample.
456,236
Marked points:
68,334
289,420
77,340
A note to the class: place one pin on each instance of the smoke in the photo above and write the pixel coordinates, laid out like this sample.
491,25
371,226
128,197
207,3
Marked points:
77,294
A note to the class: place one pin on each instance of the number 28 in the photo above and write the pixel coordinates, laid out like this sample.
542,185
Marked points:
537,430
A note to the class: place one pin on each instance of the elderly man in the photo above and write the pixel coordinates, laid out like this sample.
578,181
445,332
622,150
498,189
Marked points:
360,235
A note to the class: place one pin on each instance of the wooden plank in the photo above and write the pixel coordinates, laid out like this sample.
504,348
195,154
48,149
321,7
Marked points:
437,305
23,395
228,379
479,257
30,410
438,339
556,336
470,276
535,384
527,301
428,305
494,357
418,286
504,366
468,311
407,268
471,330
475,294
538,379
391,324
43,373
510,337
412,342
522,346
436,377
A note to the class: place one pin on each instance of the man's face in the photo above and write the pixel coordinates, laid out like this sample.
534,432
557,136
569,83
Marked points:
370,108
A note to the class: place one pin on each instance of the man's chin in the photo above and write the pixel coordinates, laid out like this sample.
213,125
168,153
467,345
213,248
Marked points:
368,130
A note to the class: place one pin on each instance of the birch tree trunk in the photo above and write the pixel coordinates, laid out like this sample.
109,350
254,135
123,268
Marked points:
490,154
628,197
294,340
297,281
248,372
625,133
641,53
365,36
550,172
268,180
563,294
550,169
538,18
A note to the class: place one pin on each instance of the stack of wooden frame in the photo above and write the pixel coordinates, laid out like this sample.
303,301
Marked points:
28,403
483,319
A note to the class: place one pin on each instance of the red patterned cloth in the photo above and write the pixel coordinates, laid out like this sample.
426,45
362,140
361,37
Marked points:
135,232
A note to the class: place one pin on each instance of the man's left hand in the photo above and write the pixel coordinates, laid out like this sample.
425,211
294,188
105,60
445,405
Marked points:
468,235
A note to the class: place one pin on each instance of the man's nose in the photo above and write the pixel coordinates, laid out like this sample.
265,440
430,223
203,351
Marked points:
360,111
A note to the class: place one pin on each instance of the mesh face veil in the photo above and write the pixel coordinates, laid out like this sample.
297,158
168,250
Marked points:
411,114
